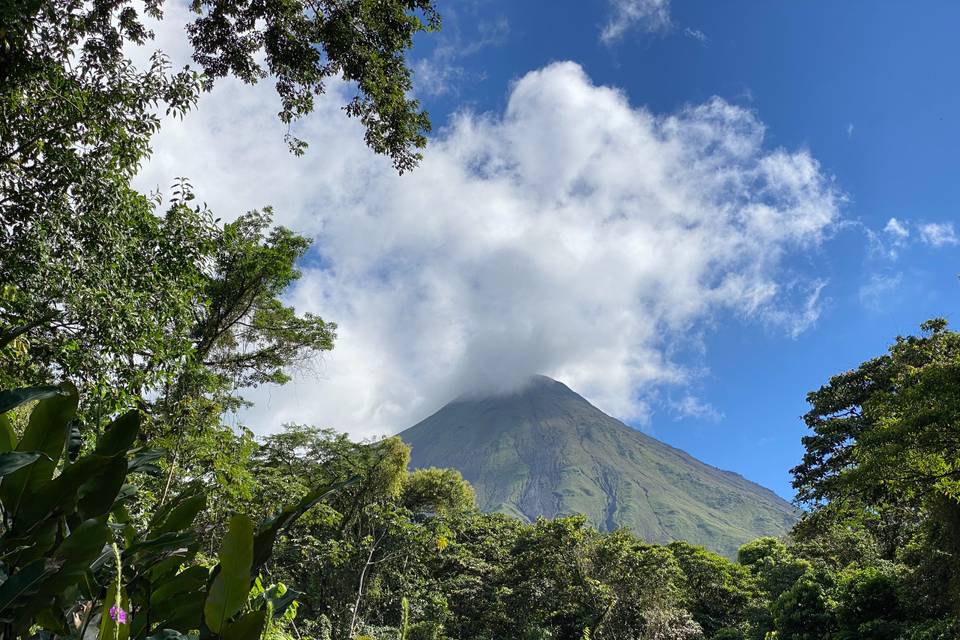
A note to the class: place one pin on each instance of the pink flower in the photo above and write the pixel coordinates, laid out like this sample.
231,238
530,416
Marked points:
117,614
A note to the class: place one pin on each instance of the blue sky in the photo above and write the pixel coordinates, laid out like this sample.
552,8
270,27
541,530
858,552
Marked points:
693,221
867,87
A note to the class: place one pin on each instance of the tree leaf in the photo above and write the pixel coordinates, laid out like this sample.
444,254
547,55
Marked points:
10,461
248,627
181,515
230,587
84,544
182,611
188,581
25,582
144,461
45,433
12,399
119,435
98,493
263,543
90,485
163,542
8,438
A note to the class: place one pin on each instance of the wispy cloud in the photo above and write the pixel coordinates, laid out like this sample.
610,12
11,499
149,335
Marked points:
879,289
896,230
890,241
443,71
648,15
938,234
850,129
692,407
696,34
797,320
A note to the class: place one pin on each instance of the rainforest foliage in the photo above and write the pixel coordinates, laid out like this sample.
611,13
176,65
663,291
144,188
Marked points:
133,508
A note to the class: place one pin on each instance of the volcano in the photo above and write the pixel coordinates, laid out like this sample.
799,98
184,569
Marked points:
546,451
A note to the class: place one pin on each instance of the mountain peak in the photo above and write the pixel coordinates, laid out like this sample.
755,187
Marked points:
535,384
544,450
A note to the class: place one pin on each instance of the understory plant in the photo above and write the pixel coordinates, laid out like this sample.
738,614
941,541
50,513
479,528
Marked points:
74,563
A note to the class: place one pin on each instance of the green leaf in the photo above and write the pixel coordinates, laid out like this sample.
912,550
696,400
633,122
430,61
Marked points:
26,582
181,515
282,602
38,544
163,542
8,438
51,619
166,568
144,461
183,611
46,433
248,627
230,587
90,485
98,493
263,543
12,399
119,435
189,580
79,549
10,461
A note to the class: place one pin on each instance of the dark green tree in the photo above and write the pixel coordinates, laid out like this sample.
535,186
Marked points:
719,594
807,610
886,447
869,605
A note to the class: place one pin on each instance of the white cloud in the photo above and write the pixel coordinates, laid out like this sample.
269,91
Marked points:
896,229
692,407
650,15
696,34
850,130
574,235
939,234
888,243
797,320
879,289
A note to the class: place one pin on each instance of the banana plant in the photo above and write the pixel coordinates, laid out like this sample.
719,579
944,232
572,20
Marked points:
72,563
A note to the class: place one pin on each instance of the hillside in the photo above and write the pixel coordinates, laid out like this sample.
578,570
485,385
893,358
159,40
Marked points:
546,451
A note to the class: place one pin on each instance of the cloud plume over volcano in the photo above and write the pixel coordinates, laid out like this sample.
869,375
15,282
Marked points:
574,235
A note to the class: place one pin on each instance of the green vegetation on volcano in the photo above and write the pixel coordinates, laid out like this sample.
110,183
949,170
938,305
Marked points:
546,451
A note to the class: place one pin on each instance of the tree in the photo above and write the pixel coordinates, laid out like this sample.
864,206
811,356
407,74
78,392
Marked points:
242,335
437,491
807,610
719,594
772,564
360,553
869,606
108,305
94,284
549,580
646,584
70,80
472,572
886,444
